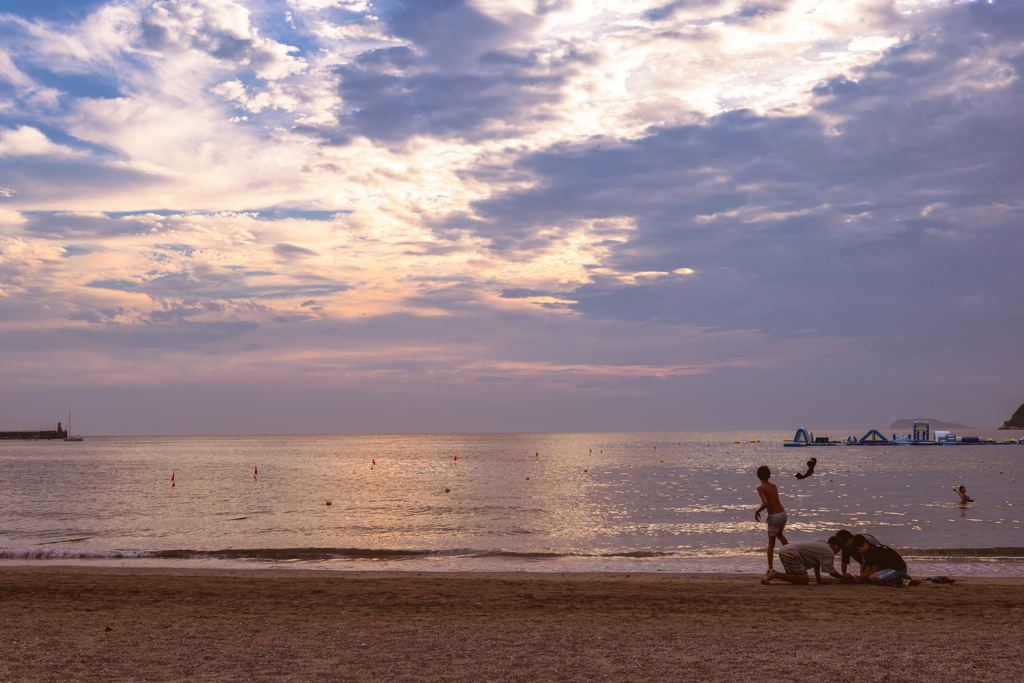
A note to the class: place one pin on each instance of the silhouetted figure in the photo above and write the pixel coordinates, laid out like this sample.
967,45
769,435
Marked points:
810,469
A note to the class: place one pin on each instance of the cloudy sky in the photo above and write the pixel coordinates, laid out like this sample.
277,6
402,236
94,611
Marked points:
286,216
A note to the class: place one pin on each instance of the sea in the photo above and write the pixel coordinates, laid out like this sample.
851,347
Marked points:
593,502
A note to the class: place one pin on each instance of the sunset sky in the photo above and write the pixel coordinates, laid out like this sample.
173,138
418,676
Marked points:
284,216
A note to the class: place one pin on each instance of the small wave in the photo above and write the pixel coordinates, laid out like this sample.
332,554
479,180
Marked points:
307,554
390,554
641,553
46,553
965,553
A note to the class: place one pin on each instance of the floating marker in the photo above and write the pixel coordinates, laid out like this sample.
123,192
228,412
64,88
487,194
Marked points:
172,478
527,479
591,450
373,461
655,448
447,490
586,470
328,502
255,471
537,454
456,458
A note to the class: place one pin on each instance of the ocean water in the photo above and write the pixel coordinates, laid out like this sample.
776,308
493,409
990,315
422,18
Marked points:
634,502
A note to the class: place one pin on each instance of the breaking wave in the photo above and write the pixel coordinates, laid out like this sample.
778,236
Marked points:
386,554
48,553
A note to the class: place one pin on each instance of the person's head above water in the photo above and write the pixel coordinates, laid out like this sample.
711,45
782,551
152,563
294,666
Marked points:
763,473
963,489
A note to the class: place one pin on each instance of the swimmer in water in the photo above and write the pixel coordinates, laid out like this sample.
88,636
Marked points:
964,498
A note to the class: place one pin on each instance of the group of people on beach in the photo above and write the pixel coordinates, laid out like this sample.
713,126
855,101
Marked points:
879,564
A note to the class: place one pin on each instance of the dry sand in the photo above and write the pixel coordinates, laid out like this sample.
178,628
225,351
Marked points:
61,624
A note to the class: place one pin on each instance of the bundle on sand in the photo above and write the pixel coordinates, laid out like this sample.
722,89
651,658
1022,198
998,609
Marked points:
172,625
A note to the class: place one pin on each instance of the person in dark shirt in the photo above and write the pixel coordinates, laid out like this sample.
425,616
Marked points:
845,540
881,563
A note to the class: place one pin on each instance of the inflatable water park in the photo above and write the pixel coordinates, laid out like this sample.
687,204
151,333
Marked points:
922,435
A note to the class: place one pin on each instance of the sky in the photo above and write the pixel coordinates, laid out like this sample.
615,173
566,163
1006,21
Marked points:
353,216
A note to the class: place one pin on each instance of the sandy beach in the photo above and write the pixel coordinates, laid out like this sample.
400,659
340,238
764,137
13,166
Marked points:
277,625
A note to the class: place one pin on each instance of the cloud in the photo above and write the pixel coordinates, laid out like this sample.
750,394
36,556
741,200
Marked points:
565,198
292,250
28,141
391,97
777,216
219,28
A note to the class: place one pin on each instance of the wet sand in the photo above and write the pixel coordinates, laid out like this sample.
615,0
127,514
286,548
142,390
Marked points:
277,625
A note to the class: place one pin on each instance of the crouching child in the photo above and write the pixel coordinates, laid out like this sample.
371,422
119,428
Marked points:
881,565
799,558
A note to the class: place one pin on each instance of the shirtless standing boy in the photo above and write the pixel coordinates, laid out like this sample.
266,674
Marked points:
776,513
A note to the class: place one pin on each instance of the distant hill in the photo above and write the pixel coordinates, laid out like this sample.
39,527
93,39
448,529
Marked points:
907,425
1015,422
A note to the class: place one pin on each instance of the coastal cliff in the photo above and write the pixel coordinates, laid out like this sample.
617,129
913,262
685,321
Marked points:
1017,421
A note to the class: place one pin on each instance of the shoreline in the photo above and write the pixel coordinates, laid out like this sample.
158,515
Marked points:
381,574
128,624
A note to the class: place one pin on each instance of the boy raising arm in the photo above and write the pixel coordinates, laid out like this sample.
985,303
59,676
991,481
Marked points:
776,519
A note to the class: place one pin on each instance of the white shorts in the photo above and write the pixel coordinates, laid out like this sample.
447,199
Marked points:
776,524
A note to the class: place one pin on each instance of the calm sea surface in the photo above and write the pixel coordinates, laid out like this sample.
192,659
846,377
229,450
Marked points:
674,502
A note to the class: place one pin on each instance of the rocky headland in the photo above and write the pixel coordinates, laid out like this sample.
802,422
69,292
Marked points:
1017,421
